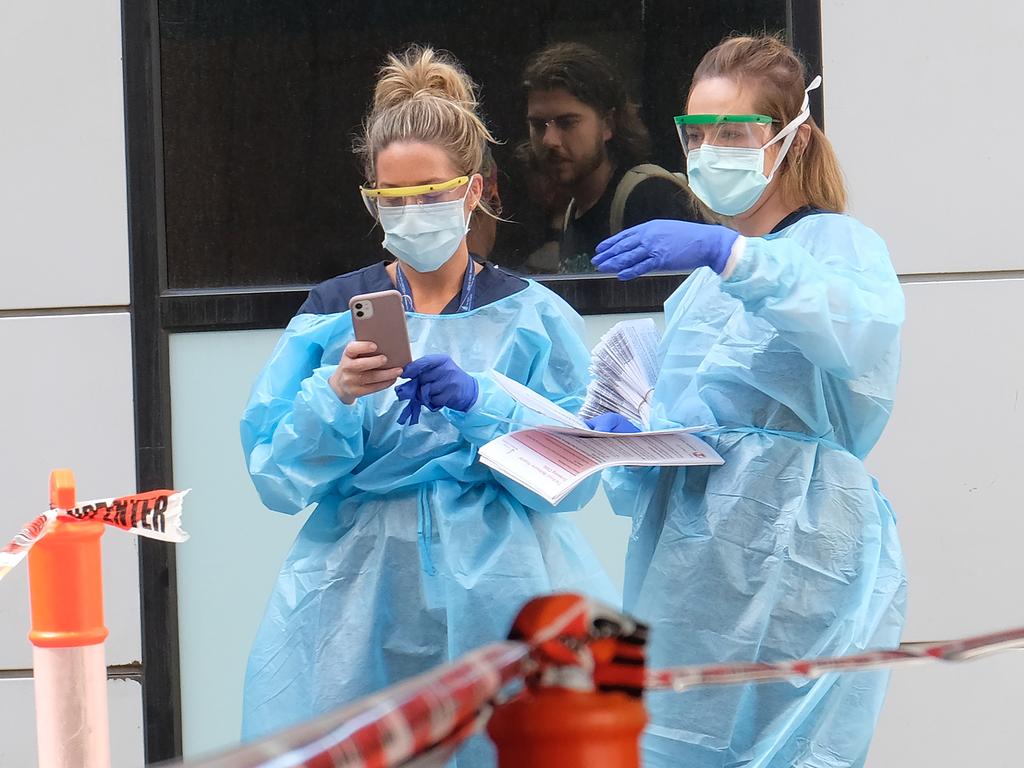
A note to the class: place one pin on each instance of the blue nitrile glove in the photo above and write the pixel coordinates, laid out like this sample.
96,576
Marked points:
612,422
436,382
411,413
665,245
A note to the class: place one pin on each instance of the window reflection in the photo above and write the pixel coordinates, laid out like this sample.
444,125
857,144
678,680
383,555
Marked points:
261,99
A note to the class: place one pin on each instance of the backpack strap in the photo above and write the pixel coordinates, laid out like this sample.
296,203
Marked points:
570,211
629,182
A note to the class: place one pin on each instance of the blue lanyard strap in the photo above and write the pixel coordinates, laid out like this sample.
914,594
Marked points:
468,288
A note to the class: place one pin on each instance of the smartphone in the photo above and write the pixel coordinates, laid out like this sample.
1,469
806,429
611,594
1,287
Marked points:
380,317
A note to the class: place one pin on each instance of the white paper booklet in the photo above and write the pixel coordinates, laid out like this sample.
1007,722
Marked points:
551,460
623,369
551,463
564,422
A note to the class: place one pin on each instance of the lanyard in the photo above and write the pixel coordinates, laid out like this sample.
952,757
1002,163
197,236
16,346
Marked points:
468,288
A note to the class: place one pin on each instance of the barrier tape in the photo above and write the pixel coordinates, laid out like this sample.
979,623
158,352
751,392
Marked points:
682,679
426,717
422,721
154,514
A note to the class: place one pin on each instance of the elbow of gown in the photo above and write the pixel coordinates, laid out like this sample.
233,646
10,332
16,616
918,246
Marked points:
297,457
841,307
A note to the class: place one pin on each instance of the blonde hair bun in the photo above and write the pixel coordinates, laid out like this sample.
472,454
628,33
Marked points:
426,96
421,72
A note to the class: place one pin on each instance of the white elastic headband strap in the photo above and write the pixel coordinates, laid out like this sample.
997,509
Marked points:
788,134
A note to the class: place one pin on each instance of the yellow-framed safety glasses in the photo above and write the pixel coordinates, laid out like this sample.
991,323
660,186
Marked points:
422,194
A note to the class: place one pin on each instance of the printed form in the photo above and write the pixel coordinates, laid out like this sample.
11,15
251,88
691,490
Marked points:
552,460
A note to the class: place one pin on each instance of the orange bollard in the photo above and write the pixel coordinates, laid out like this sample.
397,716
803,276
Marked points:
68,632
563,728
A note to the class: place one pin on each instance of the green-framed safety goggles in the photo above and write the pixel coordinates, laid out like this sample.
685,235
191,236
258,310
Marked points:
747,131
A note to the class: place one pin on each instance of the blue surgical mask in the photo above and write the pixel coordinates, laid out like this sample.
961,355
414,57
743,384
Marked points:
729,180
424,236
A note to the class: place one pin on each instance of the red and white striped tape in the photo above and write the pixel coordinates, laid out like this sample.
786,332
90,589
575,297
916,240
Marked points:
155,515
422,722
432,713
684,678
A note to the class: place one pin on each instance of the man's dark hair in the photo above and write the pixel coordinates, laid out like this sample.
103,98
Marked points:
588,76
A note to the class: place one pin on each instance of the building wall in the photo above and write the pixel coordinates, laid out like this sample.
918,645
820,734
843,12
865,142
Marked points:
901,82
65,331
942,201
895,102
900,78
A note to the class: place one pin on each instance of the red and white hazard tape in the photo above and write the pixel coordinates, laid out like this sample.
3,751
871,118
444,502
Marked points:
431,713
684,678
155,515
429,716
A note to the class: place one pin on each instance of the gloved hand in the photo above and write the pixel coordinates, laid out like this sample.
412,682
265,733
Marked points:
436,382
612,422
411,413
665,245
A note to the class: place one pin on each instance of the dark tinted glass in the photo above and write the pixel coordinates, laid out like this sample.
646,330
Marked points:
261,100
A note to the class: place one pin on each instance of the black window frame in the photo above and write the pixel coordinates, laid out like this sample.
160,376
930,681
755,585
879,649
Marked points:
158,311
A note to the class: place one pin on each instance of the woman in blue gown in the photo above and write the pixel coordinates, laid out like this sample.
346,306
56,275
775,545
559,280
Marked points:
415,553
785,338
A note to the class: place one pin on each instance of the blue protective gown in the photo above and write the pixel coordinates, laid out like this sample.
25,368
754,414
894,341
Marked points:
416,553
789,550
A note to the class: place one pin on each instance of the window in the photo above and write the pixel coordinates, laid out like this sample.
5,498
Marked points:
260,101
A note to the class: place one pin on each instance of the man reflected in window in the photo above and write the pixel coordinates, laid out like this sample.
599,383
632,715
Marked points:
588,140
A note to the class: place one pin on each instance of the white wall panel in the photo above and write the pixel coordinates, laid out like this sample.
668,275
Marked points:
950,462
953,716
64,241
228,567
66,389
18,745
903,80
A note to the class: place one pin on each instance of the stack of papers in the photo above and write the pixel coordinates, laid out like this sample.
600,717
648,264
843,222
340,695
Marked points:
623,369
552,460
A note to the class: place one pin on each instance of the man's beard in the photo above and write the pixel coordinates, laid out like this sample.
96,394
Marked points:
569,175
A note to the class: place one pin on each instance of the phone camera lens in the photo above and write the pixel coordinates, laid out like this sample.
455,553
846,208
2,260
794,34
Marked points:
359,305
359,314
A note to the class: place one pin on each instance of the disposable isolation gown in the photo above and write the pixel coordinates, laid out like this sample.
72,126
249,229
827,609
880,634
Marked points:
789,550
416,553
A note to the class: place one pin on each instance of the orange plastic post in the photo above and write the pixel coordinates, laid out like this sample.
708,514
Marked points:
65,576
562,728
68,657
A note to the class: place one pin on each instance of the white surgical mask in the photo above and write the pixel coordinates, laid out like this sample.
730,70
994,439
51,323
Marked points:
425,236
729,180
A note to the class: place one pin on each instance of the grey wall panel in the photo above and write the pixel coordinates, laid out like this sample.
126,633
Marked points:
902,83
64,242
67,396
18,724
